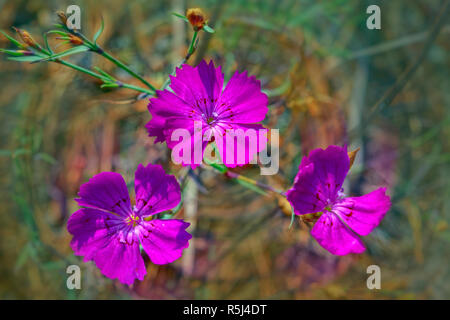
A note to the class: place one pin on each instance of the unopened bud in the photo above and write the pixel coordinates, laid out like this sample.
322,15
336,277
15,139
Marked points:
75,40
352,156
26,38
284,205
25,52
196,18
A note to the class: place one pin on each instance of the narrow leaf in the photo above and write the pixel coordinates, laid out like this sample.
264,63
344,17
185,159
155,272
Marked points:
25,58
99,32
208,29
105,74
251,186
61,33
47,46
180,16
17,43
68,52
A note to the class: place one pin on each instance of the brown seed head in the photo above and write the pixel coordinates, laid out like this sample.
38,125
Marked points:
196,18
62,16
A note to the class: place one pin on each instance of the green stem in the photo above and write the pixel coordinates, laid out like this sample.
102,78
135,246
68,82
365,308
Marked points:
192,46
97,49
256,183
191,50
81,69
124,67
133,87
103,78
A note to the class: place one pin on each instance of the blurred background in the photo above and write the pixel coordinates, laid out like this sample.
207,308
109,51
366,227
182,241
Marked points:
323,71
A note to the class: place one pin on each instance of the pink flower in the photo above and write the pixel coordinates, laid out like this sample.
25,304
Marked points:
108,230
318,190
199,97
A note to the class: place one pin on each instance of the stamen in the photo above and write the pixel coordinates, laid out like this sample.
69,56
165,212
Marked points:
132,220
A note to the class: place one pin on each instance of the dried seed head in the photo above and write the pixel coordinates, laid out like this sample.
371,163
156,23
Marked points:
62,16
196,18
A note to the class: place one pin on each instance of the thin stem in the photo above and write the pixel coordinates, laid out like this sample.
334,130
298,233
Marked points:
101,77
192,46
124,67
81,69
97,49
256,183
133,87
191,50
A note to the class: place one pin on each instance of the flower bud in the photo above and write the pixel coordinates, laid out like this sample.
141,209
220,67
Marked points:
75,40
196,18
25,52
352,156
26,38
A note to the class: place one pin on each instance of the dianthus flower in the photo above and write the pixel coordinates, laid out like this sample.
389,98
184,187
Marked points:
198,103
318,192
109,231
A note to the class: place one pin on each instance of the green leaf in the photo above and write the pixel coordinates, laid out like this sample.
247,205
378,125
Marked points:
208,29
219,167
109,85
61,33
17,43
59,25
12,52
68,52
25,58
180,16
99,32
292,218
105,74
47,46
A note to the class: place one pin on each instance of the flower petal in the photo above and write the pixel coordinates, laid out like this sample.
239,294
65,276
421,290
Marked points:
106,191
121,259
194,84
155,128
305,195
363,214
242,101
91,229
335,237
240,147
104,238
319,179
155,190
164,240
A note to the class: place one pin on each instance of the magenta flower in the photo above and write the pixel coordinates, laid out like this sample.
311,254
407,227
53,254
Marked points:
198,97
108,230
318,190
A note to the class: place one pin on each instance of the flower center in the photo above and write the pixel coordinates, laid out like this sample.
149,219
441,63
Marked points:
210,120
132,220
